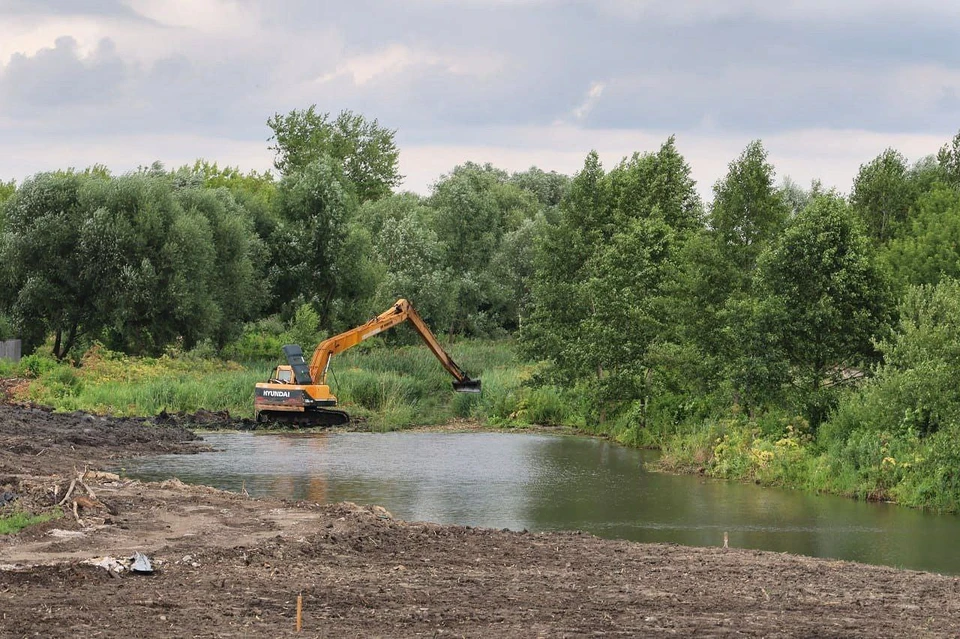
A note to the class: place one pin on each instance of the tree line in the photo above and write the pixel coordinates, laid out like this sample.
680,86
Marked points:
157,258
653,310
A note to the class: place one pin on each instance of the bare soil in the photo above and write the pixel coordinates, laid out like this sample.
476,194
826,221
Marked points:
227,565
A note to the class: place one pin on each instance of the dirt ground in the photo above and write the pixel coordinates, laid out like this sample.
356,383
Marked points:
226,565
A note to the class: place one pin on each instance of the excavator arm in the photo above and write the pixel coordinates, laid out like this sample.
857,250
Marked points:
400,312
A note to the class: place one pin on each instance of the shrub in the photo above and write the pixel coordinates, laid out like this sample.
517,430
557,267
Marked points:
35,365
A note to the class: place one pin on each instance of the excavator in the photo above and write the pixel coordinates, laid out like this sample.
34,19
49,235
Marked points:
298,393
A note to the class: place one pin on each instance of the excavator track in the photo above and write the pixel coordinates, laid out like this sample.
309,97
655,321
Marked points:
307,419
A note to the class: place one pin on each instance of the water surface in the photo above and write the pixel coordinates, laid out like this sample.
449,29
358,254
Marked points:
544,482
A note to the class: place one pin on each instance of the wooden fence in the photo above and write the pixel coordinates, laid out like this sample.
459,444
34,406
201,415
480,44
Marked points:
10,349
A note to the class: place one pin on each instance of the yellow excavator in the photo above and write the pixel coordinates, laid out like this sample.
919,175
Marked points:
298,393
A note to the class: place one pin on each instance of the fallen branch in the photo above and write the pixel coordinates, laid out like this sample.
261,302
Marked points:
73,484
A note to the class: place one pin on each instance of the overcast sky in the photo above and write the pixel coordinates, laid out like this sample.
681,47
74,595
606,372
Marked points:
826,85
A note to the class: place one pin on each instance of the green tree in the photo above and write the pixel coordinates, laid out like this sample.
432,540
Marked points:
316,205
374,215
882,195
244,187
930,249
366,152
474,207
948,161
513,266
627,310
656,185
155,263
599,297
559,304
822,299
748,211
412,261
716,264
794,196
50,278
548,188
234,283
7,189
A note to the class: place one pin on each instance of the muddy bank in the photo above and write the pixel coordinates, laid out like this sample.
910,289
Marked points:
231,566
37,441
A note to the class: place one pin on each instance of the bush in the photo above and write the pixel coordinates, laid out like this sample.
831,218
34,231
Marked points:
544,406
35,365
930,477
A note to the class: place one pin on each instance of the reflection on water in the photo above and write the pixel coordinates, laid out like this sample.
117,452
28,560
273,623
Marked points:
542,482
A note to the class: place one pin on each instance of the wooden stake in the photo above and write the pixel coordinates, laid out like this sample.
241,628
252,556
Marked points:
299,611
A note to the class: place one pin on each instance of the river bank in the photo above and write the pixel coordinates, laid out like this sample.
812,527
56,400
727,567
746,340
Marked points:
230,565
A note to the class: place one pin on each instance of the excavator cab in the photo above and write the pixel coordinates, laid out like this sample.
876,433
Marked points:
282,374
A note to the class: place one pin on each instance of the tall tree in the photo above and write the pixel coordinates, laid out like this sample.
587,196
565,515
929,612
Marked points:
627,309
316,204
656,185
235,284
747,211
822,296
794,196
7,189
474,207
928,250
45,276
559,305
882,195
365,151
549,188
716,264
948,160
598,300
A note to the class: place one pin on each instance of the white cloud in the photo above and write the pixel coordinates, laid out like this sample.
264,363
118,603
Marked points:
818,11
593,96
210,17
395,58
27,36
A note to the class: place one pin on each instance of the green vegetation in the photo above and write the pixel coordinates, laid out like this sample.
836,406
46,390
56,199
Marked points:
389,386
17,521
787,335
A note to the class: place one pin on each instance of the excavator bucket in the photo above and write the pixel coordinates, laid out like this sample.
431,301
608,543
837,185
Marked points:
467,386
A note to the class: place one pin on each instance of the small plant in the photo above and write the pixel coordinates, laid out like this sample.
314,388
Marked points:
18,520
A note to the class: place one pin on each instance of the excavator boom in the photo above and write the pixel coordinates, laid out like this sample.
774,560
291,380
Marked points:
299,391
401,311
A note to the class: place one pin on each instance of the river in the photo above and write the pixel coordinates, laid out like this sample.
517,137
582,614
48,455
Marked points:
545,483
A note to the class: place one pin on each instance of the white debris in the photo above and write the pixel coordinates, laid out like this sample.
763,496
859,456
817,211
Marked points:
110,564
65,534
141,563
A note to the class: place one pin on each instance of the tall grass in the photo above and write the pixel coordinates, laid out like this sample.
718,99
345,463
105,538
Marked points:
388,386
